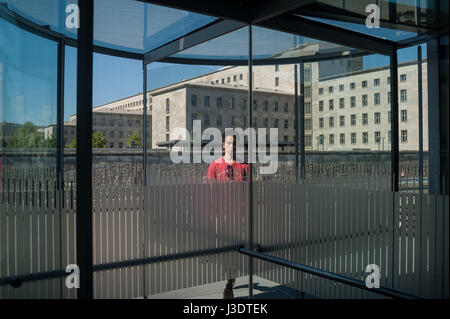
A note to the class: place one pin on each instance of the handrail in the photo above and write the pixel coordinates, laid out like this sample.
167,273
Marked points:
329,275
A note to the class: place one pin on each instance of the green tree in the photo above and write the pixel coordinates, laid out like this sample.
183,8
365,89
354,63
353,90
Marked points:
72,144
134,140
98,141
26,136
52,141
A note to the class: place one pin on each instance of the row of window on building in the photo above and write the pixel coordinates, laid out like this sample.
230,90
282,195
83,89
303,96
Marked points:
365,138
364,84
235,120
228,79
130,104
364,119
231,103
364,100
112,122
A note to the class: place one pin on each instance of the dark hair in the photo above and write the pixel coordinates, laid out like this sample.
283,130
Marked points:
225,135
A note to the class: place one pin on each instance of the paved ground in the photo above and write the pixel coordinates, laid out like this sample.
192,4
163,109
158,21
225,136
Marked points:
262,289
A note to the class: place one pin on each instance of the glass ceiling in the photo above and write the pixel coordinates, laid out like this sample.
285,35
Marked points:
126,25
138,27
267,44
430,14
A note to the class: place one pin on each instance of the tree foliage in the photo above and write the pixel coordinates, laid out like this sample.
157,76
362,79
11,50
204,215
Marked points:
134,140
98,141
27,136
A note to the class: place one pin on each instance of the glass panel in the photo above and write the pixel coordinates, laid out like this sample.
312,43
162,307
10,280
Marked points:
409,134
28,196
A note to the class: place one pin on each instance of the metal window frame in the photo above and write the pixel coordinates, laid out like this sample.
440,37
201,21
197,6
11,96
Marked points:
293,25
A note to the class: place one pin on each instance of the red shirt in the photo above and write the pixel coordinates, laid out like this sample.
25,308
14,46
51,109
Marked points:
222,171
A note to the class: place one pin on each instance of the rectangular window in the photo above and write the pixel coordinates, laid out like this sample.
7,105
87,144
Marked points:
376,82
308,141
365,137
321,122
320,106
111,122
223,81
277,81
275,107
286,107
365,119
341,103
243,103
377,117
168,123
320,91
376,98
389,137
331,104
206,119
377,137
364,84
228,79
308,107
331,121
341,87
308,125
402,77
231,103
286,123
331,139
266,105
255,105
111,134
342,138
167,106
342,120
330,89
364,100
307,91
240,76
404,116
352,86
388,80
389,116
404,136
353,101
219,101
275,123
353,138
266,122
353,119
234,78
308,75
286,138
277,67
120,122
194,100
389,97
403,96
321,139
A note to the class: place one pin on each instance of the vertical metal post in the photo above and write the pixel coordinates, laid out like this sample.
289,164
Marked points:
84,149
394,122
144,168
60,139
419,80
436,147
302,120
296,116
250,166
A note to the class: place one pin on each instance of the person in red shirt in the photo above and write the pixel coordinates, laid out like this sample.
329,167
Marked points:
226,168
